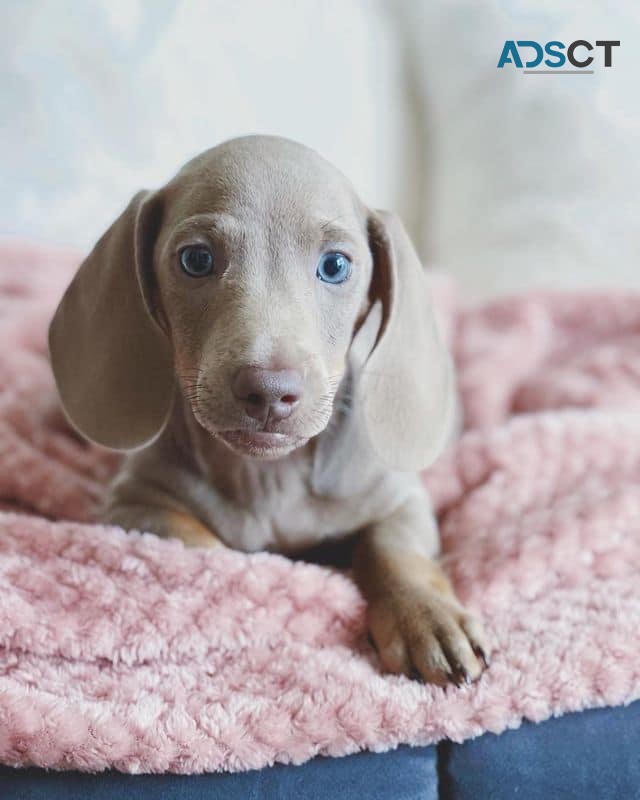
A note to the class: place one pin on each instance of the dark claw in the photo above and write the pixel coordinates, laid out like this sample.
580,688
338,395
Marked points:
460,675
455,678
481,655
416,676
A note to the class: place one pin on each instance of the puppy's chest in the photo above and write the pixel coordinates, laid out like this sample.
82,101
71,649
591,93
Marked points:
272,506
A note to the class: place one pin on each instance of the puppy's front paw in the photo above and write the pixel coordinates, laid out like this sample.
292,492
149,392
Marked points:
424,633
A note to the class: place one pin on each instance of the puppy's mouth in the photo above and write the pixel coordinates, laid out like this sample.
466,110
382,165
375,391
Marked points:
261,444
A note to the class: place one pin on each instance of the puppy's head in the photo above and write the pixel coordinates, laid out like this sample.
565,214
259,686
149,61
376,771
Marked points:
241,285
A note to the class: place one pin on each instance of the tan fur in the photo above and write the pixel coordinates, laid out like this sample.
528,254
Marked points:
145,357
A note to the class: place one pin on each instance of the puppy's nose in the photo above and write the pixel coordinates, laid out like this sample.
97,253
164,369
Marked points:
266,392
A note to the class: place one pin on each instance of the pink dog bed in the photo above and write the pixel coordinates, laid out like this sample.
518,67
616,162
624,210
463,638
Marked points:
129,652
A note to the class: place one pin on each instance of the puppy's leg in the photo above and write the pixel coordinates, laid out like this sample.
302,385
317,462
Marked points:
146,503
415,620
163,522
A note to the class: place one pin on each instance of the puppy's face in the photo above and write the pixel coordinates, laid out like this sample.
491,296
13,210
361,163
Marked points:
261,269
244,280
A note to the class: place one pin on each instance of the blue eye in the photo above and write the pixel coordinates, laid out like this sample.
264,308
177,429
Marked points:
334,268
196,261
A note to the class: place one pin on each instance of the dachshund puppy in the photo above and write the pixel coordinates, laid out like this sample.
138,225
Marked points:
264,346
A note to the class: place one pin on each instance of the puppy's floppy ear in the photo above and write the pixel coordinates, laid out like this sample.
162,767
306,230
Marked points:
407,382
112,362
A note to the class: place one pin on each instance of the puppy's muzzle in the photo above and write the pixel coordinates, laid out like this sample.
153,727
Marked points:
268,394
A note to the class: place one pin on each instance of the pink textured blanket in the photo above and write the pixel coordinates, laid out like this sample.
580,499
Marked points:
126,651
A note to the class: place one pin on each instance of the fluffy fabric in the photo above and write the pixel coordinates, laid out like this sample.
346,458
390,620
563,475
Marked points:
125,651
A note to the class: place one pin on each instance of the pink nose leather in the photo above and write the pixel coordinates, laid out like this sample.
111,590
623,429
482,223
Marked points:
267,393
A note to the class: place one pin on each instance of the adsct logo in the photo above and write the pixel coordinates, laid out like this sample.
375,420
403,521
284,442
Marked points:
578,54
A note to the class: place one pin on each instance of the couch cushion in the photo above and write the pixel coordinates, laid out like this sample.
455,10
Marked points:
588,754
408,773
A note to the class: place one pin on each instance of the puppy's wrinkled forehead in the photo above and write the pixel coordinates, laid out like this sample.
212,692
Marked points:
270,182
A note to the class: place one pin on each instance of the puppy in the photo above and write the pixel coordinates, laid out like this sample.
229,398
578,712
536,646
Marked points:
264,346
